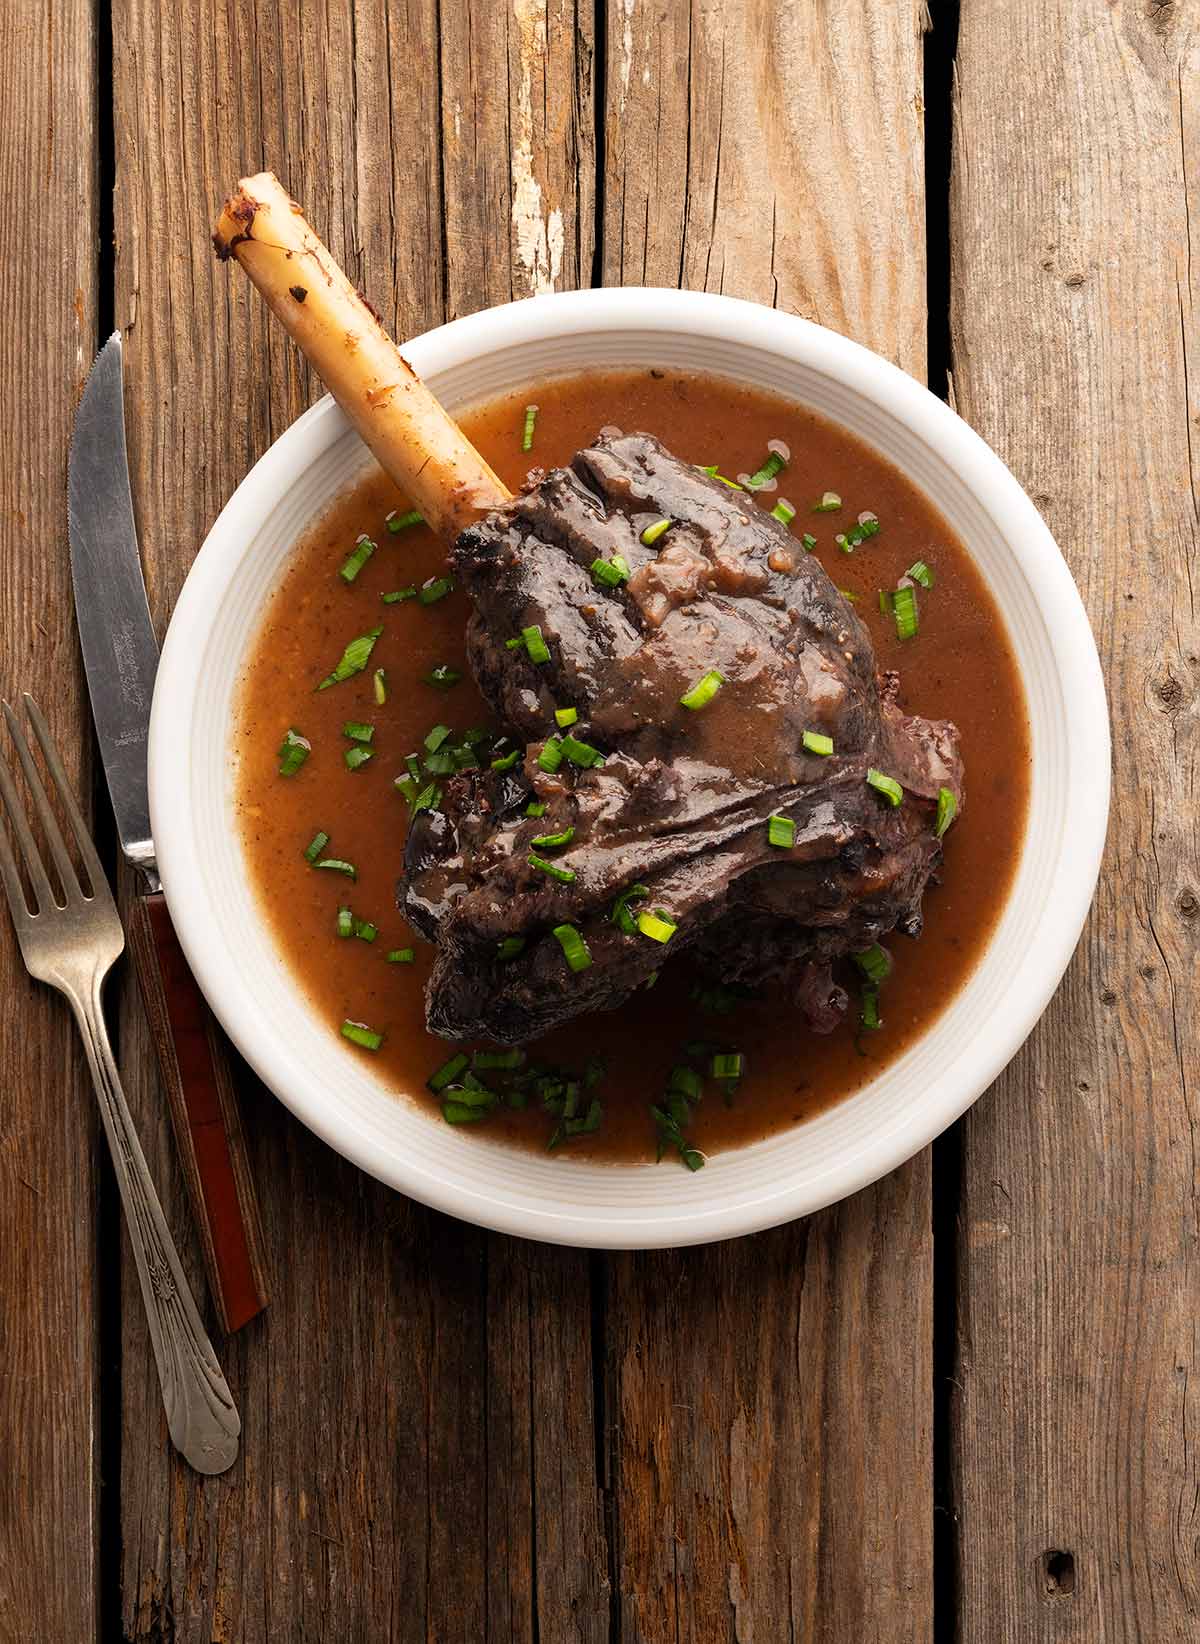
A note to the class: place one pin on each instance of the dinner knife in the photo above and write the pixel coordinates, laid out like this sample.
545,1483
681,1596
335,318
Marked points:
120,657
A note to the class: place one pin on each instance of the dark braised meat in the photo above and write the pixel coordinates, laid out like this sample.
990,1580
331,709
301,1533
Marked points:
680,804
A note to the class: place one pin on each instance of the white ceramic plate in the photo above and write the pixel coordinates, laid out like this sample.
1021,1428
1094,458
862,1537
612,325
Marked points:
405,1142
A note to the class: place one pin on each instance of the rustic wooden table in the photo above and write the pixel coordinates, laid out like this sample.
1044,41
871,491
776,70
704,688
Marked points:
960,1406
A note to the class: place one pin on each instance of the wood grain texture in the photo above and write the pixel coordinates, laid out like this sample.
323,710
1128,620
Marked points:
418,1458
770,1401
48,1130
1075,345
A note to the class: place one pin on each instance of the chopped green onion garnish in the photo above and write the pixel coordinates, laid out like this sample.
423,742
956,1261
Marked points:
670,1129
335,864
868,526
848,593
363,549
443,677
447,1073
652,532
574,947
505,1060
357,756
360,1034
531,412
775,464
462,1113
620,915
817,743
553,841
428,799
402,956
870,1009
357,731
434,589
535,807
887,786
315,846
947,810
726,1065
781,832
293,751
408,786
514,644
551,756
843,543
354,659
783,512
830,502
656,926
365,930
345,922
713,473
705,688
436,737
379,687
510,947
535,646
506,761
565,716
809,541
904,607
610,573
398,594
441,764
875,963
565,876
401,522
885,601
581,753
687,1081
921,573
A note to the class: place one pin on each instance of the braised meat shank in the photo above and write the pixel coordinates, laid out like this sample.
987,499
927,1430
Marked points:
680,804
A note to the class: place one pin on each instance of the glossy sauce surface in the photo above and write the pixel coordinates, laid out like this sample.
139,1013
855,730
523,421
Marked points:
959,666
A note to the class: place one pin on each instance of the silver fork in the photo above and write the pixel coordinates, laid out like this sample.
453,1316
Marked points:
73,947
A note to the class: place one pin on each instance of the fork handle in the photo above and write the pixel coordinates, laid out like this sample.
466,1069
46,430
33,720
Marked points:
193,1059
201,1416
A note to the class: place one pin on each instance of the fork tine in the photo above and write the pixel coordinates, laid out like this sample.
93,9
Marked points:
33,858
54,838
54,764
9,876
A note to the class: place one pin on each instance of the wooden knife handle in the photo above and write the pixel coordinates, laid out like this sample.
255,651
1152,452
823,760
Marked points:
194,1061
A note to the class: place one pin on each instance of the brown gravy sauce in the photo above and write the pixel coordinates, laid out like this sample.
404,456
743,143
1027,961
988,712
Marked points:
959,667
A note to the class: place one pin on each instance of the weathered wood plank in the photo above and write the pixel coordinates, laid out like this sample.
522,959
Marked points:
48,1134
419,1456
770,1400
1074,321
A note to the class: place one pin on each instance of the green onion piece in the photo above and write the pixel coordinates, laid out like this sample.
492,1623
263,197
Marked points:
345,922
921,573
817,743
551,756
408,786
705,688
726,1065
565,876
293,751
357,756
531,412
875,963
535,807
620,915
783,512
574,947
610,573
904,606
553,841
359,1033
398,594
436,737
316,845
354,659
428,799
687,1081
775,463
713,473
656,926
563,717
458,1113
447,1073
357,731
885,601
379,687
535,646
433,589
868,526
846,546
365,930
510,947
363,549
413,762
809,541
781,832
506,761
401,522
947,810
887,786
652,532
848,593
514,644
335,864
581,753
830,502
869,1017
402,956
505,1060
443,677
